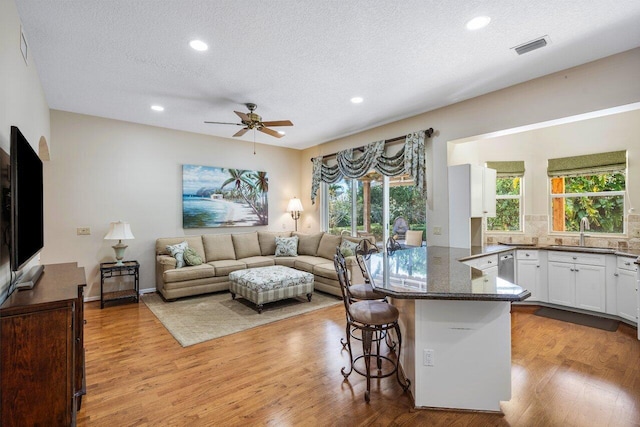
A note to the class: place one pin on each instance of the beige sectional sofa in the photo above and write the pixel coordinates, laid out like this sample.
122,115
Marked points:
224,253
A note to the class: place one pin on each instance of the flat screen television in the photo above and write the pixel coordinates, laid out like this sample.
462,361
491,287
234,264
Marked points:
27,207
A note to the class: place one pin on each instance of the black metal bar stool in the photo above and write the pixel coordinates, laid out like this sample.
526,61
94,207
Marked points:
372,318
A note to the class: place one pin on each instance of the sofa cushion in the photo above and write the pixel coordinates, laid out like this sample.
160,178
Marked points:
177,251
286,246
194,242
327,270
348,247
246,245
257,261
191,257
308,243
218,247
267,241
193,272
226,266
328,245
306,262
287,261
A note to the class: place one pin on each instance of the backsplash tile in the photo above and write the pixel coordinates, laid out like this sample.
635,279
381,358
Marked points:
536,232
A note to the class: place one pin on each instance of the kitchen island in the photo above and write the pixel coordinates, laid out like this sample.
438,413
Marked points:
456,326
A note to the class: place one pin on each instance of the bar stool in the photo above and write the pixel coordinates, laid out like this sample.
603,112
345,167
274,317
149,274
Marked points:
371,317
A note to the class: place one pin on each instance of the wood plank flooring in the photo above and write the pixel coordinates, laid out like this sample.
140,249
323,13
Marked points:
288,374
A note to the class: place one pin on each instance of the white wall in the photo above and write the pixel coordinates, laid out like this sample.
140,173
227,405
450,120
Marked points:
103,170
22,101
598,85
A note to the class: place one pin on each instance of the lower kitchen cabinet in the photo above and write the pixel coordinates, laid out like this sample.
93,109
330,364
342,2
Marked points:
627,289
578,283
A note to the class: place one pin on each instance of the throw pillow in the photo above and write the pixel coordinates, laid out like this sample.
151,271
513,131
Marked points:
348,248
177,251
287,246
191,257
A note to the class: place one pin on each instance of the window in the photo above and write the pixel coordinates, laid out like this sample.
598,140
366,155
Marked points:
509,192
366,209
591,187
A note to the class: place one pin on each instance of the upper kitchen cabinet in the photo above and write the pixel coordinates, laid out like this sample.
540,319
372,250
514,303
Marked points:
472,197
472,190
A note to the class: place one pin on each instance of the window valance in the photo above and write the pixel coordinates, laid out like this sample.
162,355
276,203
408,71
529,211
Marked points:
411,160
507,168
611,161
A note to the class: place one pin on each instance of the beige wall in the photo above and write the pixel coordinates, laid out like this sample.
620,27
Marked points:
598,85
22,101
104,170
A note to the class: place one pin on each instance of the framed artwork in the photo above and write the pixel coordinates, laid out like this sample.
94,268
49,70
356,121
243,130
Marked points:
219,197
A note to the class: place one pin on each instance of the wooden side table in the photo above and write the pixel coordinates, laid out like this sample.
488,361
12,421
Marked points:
109,270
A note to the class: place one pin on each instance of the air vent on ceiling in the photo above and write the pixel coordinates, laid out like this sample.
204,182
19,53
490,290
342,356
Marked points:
531,45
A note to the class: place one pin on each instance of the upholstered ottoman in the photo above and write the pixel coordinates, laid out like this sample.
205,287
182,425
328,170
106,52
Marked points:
267,284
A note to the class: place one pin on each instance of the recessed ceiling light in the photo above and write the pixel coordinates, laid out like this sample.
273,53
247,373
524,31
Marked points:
157,108
356,100
198,45
478,22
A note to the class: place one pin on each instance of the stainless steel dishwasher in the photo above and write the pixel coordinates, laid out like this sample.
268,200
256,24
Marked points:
506,266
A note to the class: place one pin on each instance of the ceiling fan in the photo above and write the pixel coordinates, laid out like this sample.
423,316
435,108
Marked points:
251,120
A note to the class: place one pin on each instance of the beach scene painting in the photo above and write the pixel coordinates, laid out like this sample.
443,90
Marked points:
220,197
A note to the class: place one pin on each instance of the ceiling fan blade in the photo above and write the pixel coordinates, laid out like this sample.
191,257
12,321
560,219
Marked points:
241,132
278,123
243,116
225,123
270,132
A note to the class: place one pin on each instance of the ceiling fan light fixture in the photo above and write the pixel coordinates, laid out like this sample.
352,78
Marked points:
157,108
356,100
281,132
198,45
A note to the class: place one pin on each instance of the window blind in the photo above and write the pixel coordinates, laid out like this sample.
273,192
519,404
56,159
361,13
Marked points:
601,162
507,168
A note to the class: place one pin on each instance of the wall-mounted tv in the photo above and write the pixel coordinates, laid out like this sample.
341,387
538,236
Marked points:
26,192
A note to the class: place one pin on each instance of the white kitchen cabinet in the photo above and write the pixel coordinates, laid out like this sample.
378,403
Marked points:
627,288
577,280
472,196
528,273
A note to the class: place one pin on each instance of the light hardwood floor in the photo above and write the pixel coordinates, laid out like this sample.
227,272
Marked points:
288,374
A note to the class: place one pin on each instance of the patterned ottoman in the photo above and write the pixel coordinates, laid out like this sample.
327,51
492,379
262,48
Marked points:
267,284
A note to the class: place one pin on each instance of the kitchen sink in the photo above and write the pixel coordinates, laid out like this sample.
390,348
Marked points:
583,249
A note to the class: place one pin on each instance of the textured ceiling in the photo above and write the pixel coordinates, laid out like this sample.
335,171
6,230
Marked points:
304,60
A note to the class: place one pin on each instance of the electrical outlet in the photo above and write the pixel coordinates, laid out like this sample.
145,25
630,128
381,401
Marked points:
437,230
429,356
83,231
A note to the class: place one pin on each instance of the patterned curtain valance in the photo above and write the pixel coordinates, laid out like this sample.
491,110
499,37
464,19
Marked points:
411,159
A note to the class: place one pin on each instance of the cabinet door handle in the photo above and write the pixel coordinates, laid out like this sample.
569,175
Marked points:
489,262
616,274
527,254
576,269
627,263
574,257
571,269
537,266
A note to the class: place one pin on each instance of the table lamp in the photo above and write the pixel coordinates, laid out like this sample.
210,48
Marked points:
119,231
295,207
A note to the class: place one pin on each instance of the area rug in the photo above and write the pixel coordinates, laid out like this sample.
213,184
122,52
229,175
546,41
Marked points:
579,318
197,319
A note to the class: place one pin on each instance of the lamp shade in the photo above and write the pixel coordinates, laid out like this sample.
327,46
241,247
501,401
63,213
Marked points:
119,231
295,205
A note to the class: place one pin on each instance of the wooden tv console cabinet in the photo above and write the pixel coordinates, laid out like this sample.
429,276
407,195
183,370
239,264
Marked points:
42,350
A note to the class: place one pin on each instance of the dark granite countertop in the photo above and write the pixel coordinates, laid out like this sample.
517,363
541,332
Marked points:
479,251
435,272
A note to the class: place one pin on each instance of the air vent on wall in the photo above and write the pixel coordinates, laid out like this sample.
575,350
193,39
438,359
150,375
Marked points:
531,45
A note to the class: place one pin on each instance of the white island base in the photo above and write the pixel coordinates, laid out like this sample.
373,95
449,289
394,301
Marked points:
471,352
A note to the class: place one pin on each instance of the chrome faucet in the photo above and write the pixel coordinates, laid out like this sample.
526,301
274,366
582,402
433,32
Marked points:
584,225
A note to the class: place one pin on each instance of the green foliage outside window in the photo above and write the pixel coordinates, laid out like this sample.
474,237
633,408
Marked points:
507,208
605,212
